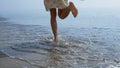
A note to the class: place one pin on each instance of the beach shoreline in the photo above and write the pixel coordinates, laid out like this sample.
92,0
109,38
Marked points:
24,46
7,62
10,62
2,55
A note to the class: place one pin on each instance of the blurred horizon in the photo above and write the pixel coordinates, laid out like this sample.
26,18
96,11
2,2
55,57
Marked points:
92,13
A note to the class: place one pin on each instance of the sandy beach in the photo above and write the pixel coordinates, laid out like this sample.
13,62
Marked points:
7,62
10,62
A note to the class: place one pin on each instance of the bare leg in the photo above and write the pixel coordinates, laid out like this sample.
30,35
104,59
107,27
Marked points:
73,9
54,24
63,13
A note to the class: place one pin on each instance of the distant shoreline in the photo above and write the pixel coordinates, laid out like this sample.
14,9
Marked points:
3,18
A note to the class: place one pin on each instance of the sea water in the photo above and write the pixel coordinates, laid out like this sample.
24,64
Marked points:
85,42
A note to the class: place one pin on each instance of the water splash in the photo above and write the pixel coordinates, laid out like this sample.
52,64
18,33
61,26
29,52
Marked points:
44,51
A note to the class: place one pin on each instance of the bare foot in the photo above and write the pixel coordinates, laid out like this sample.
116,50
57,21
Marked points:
56,40
73,9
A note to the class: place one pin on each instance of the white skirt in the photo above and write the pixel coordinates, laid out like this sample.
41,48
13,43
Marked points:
60,4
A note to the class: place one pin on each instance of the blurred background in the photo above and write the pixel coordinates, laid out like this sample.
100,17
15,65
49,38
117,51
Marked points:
92,13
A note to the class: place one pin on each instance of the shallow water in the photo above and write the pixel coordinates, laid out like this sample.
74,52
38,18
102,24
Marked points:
77,47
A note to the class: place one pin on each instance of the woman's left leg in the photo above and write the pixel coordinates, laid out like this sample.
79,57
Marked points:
54,23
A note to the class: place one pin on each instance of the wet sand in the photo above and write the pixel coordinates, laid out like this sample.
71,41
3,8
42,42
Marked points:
7,62
2,55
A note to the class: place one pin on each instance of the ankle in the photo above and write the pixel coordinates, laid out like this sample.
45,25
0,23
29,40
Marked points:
56,39
70,5
73,9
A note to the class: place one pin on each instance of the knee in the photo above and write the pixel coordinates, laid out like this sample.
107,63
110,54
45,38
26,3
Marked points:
61,17
53,18
60,13
63,13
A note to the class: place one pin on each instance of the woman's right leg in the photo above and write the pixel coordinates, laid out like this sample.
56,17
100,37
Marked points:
63,13
73,9
54,23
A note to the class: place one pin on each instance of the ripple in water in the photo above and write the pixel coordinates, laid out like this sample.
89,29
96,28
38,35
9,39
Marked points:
68,53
